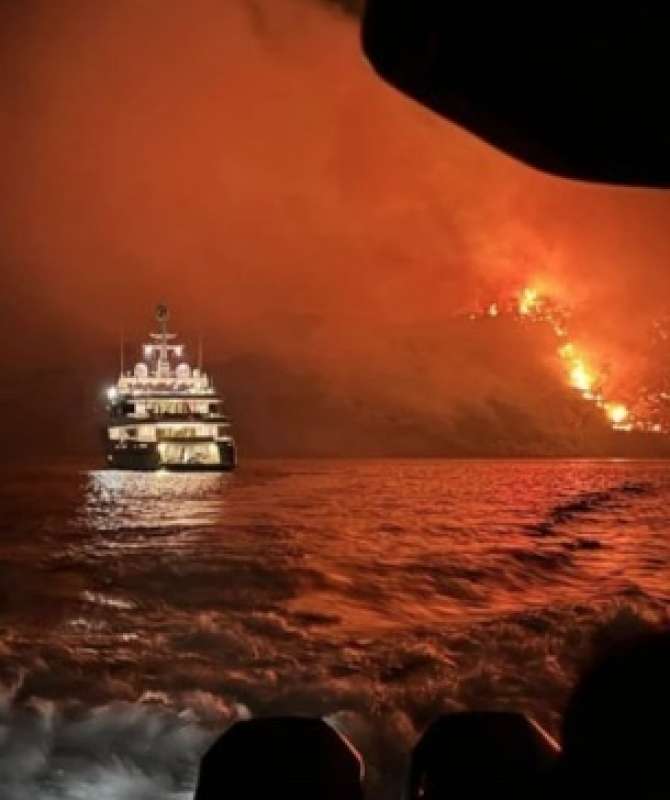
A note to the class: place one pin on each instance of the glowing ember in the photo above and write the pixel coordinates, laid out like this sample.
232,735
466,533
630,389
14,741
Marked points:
580,377
567,351
529,301
617,413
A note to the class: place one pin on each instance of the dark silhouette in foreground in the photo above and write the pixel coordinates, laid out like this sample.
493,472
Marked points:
615,736
301,758
576,89
496,754
615,745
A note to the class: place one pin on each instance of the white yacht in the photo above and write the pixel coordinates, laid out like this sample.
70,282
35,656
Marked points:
165,414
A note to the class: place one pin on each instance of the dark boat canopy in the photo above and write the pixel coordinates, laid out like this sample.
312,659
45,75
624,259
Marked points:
575,89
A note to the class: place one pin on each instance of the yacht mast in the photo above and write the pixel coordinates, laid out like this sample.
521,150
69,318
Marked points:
162,338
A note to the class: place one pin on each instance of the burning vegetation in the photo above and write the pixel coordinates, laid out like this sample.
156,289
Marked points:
648,413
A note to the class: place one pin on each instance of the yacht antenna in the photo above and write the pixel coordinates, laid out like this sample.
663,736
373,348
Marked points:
163,315
200,351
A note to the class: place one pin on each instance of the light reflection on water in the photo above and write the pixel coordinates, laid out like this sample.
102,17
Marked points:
116,499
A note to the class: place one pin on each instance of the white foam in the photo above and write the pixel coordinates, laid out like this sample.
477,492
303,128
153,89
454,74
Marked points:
120,751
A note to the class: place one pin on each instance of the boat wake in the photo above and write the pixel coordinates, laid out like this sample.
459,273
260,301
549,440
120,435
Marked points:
586,503
60,749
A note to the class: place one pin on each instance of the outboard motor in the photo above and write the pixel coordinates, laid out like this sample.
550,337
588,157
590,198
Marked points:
481,754
293,758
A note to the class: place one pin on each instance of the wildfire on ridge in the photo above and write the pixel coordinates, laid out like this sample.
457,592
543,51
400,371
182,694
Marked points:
530,305
581,375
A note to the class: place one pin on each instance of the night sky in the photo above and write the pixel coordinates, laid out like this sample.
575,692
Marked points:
242,162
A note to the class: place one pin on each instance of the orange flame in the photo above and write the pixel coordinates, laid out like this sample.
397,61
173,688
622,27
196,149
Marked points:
567,351
581,377
617,413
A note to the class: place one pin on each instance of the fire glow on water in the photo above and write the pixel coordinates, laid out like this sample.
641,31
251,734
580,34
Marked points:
580,373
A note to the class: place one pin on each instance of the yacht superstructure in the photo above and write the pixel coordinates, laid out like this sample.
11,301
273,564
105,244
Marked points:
165,414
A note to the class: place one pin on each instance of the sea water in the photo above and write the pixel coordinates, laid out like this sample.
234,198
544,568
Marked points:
143,613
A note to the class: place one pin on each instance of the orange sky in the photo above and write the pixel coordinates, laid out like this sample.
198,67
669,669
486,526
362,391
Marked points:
241,161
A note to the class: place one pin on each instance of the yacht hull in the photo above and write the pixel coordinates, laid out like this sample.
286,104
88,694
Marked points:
148,459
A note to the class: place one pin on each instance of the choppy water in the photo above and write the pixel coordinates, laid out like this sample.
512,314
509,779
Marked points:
141,613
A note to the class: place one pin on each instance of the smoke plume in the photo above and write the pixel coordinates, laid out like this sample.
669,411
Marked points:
241,162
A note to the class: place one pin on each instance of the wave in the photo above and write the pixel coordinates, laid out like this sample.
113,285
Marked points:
586,503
